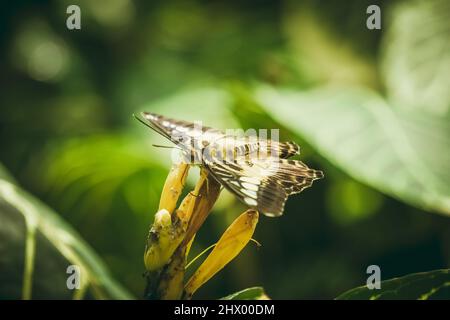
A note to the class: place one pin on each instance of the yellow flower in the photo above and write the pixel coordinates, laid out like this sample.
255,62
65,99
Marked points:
173,231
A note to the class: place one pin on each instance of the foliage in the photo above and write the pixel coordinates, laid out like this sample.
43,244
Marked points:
430,285
255,293
359,132
368,107
36,248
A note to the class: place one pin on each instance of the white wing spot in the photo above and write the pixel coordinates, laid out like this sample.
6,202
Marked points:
235,183
250,180
250,186
250,201
250,193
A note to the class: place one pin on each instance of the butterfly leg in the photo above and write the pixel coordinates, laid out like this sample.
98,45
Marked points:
204,176
193,194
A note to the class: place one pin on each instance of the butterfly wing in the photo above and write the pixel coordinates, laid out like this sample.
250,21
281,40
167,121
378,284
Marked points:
262,183
260,178
173,130
287,149
182,133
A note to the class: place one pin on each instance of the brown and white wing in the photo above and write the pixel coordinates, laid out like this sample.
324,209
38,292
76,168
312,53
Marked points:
263,184
180,132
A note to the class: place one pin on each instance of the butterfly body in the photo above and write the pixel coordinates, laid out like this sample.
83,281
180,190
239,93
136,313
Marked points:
257,171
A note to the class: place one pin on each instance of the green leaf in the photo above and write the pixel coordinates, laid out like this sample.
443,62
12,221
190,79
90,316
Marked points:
416,59
254,293
77,172
396,152
432,285
36,248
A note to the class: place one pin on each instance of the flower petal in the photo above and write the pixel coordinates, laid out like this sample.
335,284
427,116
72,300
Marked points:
233,240
173,186
205,195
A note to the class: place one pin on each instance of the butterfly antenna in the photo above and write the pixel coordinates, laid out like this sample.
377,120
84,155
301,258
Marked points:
194,195
139,118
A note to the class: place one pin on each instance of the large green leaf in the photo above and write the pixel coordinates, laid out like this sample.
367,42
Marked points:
377,144
398,144
253,293
416,59
36,248
423,286
76,173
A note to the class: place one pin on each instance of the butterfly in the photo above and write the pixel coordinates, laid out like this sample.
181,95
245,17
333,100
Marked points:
257,171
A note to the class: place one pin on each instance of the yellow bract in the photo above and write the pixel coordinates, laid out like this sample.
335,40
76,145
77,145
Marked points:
206,193
163,239
170,286
233,240
173,186
169,230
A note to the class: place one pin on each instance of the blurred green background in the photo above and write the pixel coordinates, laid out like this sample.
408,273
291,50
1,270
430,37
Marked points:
369,107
